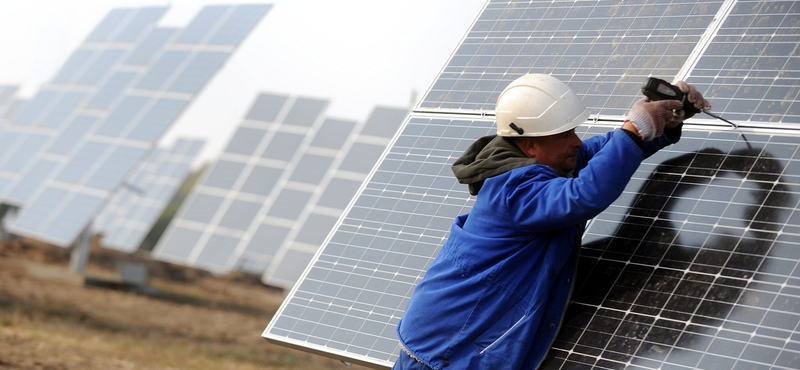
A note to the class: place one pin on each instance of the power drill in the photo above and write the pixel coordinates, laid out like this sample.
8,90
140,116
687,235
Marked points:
658,89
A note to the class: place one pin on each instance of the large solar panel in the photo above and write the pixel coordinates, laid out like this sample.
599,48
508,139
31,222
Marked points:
278,188
80,136
602,49
135,207
694,266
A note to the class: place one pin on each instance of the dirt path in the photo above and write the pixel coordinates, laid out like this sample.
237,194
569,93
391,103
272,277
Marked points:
50,320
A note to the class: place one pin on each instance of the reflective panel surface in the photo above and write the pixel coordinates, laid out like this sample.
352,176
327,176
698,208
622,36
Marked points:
694,266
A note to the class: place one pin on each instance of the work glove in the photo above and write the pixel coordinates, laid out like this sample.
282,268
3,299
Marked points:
649,117
694,97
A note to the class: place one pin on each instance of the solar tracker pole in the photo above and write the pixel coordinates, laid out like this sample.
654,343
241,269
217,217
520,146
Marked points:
79,257
7,216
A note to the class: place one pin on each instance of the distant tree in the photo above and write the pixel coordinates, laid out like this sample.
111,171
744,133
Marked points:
171,209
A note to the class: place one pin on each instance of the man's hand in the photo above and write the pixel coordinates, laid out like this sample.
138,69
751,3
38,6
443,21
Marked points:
650,117
694,97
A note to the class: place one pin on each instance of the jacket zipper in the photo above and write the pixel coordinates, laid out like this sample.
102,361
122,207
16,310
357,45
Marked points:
504,334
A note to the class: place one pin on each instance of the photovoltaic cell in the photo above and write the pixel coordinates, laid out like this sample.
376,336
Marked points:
198,72
99,67
139,25
695,266
111,90
266,107
145,51
205,21
12,109
34,108
74,65
237,25
110,25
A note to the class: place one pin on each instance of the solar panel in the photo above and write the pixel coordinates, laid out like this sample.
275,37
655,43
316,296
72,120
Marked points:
136,206
335,185
694,266
260,202
247,176
104,110
603,49
702,270
750,67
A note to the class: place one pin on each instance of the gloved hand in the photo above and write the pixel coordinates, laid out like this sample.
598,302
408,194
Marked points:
649,117
694,97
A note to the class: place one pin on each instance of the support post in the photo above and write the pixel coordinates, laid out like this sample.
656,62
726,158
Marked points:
80,252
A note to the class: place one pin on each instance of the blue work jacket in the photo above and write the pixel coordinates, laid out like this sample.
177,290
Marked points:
495,295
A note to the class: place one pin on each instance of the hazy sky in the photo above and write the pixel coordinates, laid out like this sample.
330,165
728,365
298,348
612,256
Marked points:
356,53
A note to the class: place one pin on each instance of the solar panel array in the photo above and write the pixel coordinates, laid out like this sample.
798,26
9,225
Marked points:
694,266
133,210
77,139
272,196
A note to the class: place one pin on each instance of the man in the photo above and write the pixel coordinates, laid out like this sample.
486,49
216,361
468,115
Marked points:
495,295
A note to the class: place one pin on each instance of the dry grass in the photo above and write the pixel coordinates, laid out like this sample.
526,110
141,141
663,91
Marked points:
50,320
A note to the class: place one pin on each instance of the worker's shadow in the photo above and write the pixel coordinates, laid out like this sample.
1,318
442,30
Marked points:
671,274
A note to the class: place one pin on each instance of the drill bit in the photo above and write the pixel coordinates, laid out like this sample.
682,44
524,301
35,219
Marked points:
720,118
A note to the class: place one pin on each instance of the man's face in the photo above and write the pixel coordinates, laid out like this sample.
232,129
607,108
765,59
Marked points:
558,151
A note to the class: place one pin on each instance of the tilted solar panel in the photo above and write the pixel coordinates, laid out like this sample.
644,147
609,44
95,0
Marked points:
705,230
230,201
104,110
694,266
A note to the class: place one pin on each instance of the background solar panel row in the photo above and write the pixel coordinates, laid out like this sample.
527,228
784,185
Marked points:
694,266
80,136
281,183
133,210
350,162
248,176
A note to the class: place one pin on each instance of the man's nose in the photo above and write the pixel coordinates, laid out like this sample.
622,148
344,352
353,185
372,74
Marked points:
576,141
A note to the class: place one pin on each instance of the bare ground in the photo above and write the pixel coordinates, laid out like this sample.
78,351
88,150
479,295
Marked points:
51,319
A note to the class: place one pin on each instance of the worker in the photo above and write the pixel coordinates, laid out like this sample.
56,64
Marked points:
495,295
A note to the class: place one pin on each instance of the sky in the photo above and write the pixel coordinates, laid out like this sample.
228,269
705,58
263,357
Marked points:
358,54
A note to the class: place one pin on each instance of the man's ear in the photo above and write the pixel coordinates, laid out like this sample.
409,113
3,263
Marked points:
527,146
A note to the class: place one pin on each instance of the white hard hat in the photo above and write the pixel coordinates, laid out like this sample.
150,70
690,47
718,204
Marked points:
538,105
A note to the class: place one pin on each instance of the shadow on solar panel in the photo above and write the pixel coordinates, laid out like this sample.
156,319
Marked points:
695,275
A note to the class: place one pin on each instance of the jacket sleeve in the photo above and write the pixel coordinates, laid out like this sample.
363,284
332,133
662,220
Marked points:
541,201
594,144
